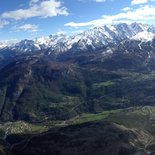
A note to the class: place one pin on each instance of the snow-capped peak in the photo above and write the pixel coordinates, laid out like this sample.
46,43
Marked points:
3,45
144,36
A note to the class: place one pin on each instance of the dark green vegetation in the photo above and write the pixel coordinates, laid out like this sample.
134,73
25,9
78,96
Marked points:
40,89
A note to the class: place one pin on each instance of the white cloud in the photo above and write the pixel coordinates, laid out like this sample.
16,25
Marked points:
126,9
76,25
135,2
77,31
3,23
142,14
26,27
47,8
61,33
100,0
33,1
10,41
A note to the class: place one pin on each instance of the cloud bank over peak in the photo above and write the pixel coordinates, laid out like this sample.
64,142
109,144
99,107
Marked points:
128,15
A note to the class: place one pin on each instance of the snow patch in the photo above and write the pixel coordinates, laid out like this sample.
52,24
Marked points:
144,36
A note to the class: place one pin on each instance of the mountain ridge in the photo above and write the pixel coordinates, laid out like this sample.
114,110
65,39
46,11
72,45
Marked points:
92,39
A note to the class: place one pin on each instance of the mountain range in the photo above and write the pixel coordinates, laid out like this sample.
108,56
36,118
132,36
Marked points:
93,39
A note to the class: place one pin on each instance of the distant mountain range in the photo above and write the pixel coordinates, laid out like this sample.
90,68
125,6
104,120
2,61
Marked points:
92,39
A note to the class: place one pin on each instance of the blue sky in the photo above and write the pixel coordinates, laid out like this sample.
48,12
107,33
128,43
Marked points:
22,19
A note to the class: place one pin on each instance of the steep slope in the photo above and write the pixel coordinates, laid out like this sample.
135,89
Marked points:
45,89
